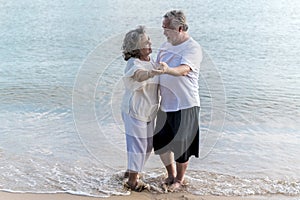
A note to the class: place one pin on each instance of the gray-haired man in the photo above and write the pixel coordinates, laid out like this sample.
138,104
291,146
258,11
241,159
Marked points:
177,131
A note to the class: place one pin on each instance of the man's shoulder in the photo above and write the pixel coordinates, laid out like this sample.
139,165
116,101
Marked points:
192,47
194,43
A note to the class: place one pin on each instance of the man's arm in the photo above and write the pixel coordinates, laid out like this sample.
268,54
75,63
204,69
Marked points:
181,70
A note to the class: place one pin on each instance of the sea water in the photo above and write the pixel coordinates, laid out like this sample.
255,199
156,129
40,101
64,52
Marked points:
60,94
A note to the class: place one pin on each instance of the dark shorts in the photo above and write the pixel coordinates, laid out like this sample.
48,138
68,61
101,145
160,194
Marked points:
177,132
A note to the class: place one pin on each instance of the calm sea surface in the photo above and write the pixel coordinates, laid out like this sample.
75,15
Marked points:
60,94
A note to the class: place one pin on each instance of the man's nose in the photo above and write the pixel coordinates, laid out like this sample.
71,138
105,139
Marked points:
165,32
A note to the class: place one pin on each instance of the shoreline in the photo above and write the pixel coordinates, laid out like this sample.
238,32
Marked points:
133,196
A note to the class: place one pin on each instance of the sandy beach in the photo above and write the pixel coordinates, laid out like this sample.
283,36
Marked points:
132,196
62,136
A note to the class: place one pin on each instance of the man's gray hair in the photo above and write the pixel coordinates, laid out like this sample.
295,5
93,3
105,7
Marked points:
131,43
177,18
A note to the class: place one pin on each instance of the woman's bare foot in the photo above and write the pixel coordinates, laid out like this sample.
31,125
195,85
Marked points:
126,175
139,186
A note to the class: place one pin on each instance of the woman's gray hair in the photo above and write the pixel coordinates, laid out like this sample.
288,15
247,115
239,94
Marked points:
131,43
177,18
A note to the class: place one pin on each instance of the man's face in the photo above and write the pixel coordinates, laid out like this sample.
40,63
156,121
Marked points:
170,32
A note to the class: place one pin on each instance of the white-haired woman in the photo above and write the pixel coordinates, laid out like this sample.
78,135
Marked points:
140,103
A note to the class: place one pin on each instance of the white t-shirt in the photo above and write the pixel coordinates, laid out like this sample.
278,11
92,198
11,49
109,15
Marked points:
180,92
140,99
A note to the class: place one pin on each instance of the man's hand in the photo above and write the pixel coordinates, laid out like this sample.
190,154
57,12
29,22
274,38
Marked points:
181,70
164,67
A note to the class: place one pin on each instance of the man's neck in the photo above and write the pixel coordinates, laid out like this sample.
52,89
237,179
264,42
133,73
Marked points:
182,38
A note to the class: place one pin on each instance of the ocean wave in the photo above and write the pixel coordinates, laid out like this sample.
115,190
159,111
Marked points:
100,182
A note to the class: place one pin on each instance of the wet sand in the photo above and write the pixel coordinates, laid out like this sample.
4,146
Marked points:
132,196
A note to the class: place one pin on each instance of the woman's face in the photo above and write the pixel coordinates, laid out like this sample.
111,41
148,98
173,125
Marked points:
145,45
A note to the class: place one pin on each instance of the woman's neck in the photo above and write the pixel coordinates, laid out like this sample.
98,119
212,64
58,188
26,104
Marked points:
145,58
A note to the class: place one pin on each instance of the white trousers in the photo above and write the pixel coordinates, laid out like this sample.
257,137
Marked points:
139,141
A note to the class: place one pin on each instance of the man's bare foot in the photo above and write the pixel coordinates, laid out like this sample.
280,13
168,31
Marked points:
177,185
166,183
169,180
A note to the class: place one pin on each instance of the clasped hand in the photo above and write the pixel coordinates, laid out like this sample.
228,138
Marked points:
161,69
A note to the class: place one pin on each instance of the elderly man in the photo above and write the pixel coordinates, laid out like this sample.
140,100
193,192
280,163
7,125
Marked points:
177,131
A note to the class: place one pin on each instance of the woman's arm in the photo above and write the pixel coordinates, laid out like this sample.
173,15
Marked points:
142,75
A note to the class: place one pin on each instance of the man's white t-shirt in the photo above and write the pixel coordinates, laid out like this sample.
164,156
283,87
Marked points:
180,92
140,99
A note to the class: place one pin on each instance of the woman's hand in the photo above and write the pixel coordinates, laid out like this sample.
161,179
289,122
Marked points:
155,72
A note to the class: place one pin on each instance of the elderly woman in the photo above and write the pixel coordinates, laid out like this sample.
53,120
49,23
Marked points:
140,103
